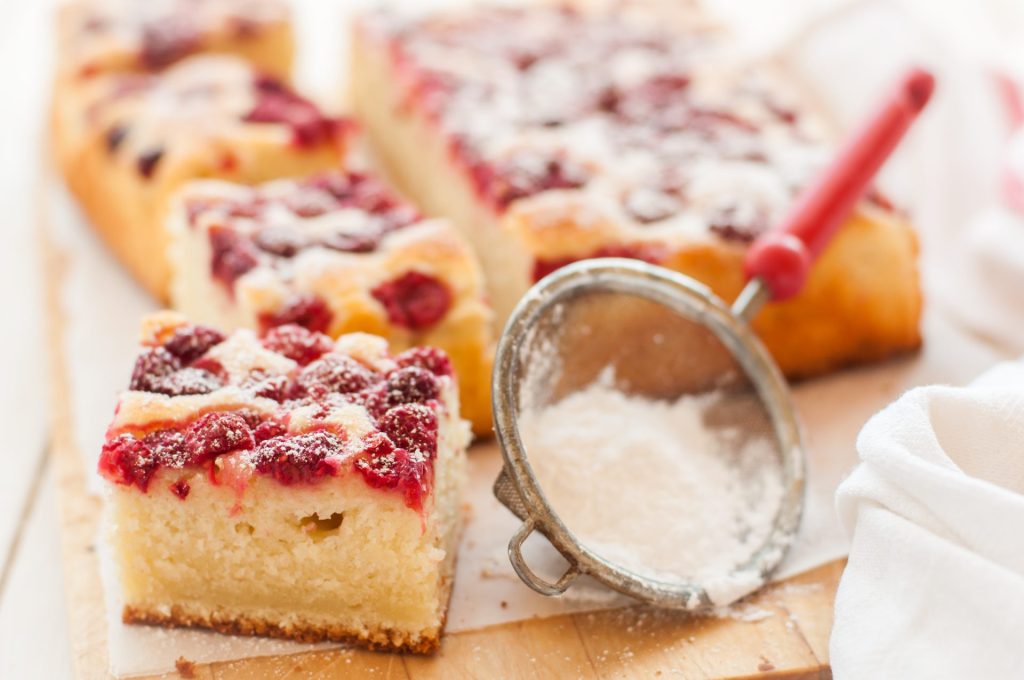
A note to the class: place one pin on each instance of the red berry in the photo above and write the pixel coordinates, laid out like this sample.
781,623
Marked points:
268,386
232,255
126,460
297,343
180,489
430,358
191,342
385,467
414,300
168,448
280,240
275,103
412,427
411,385
302,458
189,380
334,373
268,429
215,434
308,311
151,367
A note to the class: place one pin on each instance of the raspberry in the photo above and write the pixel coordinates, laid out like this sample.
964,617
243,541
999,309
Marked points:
232,255
414,300
297,343
411,385
302,458
334,373
308,311
430,358
180,489
280,241
215,434
168,447
126,460
191,342
385,467
189,380
268,386
412,427
152,366
275,103
268,429
147,161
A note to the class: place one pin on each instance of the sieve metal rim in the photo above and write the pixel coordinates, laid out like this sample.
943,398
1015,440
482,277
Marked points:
517,487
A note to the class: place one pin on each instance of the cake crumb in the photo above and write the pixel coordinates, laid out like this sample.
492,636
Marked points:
765,665
186,667
504,604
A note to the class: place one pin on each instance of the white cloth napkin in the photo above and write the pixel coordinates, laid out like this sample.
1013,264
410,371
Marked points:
934,587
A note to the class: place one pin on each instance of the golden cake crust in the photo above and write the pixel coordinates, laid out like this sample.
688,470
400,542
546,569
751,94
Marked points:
210,140
381,640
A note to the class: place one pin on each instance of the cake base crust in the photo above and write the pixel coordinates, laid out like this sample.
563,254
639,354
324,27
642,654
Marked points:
381,640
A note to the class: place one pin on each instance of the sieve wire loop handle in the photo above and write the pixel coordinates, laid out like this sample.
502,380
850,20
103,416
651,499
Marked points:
515,555
782,258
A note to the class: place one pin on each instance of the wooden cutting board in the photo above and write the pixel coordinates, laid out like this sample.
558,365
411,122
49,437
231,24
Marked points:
791,641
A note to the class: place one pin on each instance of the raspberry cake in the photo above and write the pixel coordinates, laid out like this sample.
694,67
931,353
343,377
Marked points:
292,486
126,141
103,36
336,253
551,134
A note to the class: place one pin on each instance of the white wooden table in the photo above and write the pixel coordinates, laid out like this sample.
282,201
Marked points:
33,628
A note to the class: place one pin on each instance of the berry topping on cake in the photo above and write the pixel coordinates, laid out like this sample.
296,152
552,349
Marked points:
334,374
302,458
429,358
215,434
414,300
408,385
152,366
191,342
412,427
126,460
307,311
147,162
297,343
276,103
384,466
232,255
292,405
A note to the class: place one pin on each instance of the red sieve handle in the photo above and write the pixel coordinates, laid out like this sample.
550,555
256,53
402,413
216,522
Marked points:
783,257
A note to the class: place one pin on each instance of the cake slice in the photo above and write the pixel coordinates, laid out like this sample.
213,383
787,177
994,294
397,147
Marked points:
104,36
293,486
553,133
126,141
336,253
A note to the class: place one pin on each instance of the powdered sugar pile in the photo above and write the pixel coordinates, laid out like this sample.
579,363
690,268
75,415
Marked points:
647,485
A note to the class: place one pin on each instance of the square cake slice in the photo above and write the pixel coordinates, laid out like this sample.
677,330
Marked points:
337,253
293,486
126,141
103,36
553,133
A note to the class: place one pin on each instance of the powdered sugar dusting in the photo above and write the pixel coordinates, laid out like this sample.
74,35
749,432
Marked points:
649,486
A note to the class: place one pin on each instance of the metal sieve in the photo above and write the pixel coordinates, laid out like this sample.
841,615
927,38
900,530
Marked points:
667,335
